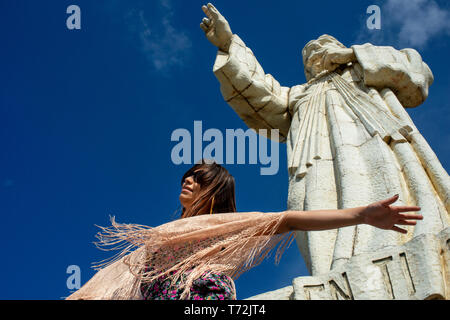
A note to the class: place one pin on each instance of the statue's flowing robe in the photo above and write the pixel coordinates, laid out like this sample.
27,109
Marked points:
350,142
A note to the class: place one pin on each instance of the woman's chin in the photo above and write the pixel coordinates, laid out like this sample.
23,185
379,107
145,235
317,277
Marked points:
185,199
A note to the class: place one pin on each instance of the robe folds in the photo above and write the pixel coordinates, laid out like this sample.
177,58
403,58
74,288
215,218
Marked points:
350,142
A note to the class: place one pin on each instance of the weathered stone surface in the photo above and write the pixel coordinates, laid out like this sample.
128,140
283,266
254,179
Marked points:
350,141
285,293
417,270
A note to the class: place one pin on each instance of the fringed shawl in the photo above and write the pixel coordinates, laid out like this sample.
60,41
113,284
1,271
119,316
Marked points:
230,243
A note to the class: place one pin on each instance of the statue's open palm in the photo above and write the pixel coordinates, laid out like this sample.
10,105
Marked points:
216,27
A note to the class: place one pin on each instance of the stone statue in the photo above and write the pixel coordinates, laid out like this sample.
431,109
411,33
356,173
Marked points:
349,139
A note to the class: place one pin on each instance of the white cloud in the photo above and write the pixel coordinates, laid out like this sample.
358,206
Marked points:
161,42
409,23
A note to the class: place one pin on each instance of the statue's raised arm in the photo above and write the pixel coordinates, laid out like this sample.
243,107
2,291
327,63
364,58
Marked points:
255,96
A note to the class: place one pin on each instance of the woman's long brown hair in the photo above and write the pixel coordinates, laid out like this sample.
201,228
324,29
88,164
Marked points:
217,190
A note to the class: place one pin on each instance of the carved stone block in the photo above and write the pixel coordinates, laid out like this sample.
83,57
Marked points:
417,270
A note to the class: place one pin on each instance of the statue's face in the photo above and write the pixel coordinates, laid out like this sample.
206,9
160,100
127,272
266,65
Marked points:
314,64
314,52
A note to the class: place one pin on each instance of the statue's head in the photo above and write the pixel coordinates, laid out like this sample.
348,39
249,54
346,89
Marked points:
313,54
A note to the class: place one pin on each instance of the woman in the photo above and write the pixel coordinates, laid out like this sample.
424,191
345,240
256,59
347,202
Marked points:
198,256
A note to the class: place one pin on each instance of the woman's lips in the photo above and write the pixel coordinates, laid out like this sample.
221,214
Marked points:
186,189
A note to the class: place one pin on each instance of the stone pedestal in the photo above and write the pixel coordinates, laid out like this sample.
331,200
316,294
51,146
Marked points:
417,270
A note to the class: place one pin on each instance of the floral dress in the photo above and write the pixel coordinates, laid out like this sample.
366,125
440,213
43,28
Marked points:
215,286
212,286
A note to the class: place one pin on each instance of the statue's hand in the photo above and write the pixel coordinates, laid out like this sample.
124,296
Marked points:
384,216
334,57
216,28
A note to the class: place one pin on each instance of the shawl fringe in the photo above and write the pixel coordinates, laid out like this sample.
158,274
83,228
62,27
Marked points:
189,248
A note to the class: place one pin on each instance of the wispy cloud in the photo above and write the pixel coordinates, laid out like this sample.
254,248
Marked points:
8,183
409,23
160,41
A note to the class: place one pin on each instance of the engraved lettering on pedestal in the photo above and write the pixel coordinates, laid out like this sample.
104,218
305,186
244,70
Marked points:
397,276
313,290
407,274
382,264
337,291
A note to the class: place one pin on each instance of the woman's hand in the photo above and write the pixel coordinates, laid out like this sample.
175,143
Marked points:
216,27
384,216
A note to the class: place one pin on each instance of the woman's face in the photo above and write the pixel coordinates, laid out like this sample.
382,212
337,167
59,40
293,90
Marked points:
189,191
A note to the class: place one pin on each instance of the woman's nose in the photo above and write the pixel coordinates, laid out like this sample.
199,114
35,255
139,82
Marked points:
189,180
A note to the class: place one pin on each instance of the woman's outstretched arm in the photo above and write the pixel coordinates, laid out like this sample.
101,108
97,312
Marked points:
379,214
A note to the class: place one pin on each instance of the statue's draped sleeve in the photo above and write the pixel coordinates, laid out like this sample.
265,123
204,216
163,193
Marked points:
255,96
403,71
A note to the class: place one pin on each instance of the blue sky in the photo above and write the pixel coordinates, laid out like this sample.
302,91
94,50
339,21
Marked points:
86,117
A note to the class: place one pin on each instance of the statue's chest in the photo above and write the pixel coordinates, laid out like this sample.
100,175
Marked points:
352,75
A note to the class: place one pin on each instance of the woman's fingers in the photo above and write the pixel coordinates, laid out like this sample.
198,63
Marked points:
405,208
409,216
389,201
395,228
407,223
